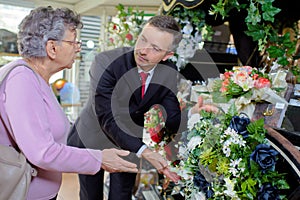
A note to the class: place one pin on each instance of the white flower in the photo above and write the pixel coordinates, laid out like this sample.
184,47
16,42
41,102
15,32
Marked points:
243,79
198,196
198,37
182,151
196,140
235,163
229,131
188,29
234,167
226,150
193,120
234,138
230,188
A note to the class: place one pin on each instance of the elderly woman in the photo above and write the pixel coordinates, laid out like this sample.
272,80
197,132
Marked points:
32,119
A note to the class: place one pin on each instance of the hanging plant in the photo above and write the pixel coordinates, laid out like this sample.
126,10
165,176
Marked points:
263,28
195,31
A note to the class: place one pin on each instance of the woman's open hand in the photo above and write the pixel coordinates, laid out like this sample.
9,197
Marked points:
112,162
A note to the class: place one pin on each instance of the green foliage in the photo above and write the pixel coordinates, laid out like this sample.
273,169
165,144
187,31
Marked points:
262,27
283,48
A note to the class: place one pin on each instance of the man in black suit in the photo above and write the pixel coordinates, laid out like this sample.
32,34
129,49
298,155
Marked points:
114,113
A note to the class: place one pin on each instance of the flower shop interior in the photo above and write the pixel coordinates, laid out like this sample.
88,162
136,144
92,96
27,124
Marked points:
242,56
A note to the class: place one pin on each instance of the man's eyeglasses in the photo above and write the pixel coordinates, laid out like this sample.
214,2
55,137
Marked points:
78,43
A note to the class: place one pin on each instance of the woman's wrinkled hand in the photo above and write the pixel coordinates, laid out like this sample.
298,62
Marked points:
206,107
112,161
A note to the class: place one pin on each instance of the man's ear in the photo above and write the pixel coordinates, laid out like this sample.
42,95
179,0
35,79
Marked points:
51,48
168,55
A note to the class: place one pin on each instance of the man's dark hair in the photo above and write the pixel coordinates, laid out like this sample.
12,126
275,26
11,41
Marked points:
169,24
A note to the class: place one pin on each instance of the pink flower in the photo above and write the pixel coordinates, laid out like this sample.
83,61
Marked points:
225,83
248,69
262,82
226,75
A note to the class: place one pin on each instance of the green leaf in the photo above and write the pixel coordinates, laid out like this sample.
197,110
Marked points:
283,61
275,51
256,130
253,16
256,32
269,11
219,98
232,111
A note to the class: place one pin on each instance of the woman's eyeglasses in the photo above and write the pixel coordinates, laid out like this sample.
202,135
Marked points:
78,43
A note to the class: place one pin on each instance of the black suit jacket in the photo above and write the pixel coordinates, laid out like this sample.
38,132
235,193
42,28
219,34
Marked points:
114,113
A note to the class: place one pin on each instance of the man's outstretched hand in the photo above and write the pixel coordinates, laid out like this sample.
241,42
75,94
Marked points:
160,164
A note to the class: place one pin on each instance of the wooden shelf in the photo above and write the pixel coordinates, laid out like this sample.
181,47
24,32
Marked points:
9,54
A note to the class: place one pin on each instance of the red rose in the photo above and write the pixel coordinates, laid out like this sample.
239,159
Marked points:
129,36
262,82
156,136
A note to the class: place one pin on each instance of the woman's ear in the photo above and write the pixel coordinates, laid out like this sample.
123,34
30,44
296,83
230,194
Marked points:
51,48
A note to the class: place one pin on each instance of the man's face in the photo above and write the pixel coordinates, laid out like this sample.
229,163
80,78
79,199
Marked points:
152,46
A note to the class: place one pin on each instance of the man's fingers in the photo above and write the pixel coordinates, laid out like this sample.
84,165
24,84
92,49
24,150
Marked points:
171,175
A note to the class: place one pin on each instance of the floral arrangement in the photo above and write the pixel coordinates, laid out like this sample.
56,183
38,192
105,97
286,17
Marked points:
245,86
225,156
241,81
125,27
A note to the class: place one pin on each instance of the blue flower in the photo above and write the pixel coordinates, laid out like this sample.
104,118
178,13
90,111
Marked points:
203,185
268,192
265,156
239,124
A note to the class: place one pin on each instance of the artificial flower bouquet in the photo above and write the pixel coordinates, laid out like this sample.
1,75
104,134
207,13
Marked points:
156,135
245,86
225,156
241,81
154,123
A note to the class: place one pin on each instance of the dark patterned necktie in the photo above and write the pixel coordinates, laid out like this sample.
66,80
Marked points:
143,76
